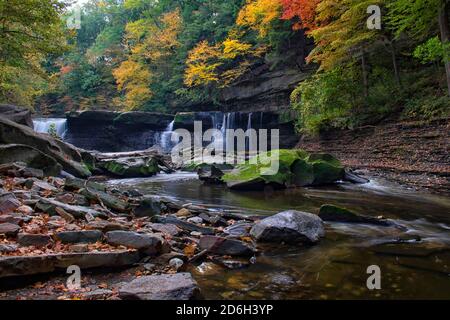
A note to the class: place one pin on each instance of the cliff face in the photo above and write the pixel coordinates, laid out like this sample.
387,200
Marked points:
264,90
268,86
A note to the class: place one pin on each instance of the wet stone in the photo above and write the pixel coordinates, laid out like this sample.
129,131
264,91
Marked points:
33,240
91,236
180,286
9,229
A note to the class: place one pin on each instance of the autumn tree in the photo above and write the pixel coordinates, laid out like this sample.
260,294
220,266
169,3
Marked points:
152,44
30,30
259,15
302,11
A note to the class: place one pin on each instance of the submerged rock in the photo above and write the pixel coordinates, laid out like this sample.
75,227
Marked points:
290,227
285,168
180,286
336,214
224,246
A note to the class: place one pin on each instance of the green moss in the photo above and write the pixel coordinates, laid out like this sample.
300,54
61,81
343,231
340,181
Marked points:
185,117
296,167
142,169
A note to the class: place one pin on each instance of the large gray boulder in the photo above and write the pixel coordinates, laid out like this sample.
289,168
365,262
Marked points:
33,158
180,286
289,227
66,155
16,114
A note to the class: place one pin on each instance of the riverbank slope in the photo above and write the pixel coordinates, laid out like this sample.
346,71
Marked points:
413,153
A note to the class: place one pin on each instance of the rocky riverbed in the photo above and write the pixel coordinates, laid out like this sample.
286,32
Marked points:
149,238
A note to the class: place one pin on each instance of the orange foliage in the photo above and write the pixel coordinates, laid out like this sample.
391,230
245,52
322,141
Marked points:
304,10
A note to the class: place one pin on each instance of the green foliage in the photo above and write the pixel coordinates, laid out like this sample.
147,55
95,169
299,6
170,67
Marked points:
327,100
52,131
417,18
430,51
30,30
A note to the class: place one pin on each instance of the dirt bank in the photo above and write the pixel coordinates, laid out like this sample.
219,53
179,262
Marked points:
413,153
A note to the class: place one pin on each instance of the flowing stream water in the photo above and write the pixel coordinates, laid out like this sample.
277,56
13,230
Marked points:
336,268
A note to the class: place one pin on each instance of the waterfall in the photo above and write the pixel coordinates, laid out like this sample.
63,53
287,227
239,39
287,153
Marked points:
45,125
166,137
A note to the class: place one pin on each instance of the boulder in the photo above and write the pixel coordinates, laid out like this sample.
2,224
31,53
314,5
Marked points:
9,229
20,115
131,167
288,168
107,199
66,155
8,203
179,286
239,229
70,237
48,263
33,240
49,206
150,244
149,206
289,227
31,157
182,224
337,214
212,176
226,247
75,184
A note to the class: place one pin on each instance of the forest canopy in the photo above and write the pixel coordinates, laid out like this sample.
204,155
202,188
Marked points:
155,55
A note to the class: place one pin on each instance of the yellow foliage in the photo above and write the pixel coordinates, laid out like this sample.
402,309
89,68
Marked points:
152,43
133,78
233,48
259,15
202,64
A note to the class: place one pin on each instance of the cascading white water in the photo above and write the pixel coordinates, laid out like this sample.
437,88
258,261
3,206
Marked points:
45,125
166,137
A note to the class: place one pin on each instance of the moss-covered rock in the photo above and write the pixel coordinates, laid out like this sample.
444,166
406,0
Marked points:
195,166
295,168
131,167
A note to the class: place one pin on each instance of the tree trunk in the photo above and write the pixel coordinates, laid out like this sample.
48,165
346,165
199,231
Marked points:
364,74
445,36
395,65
